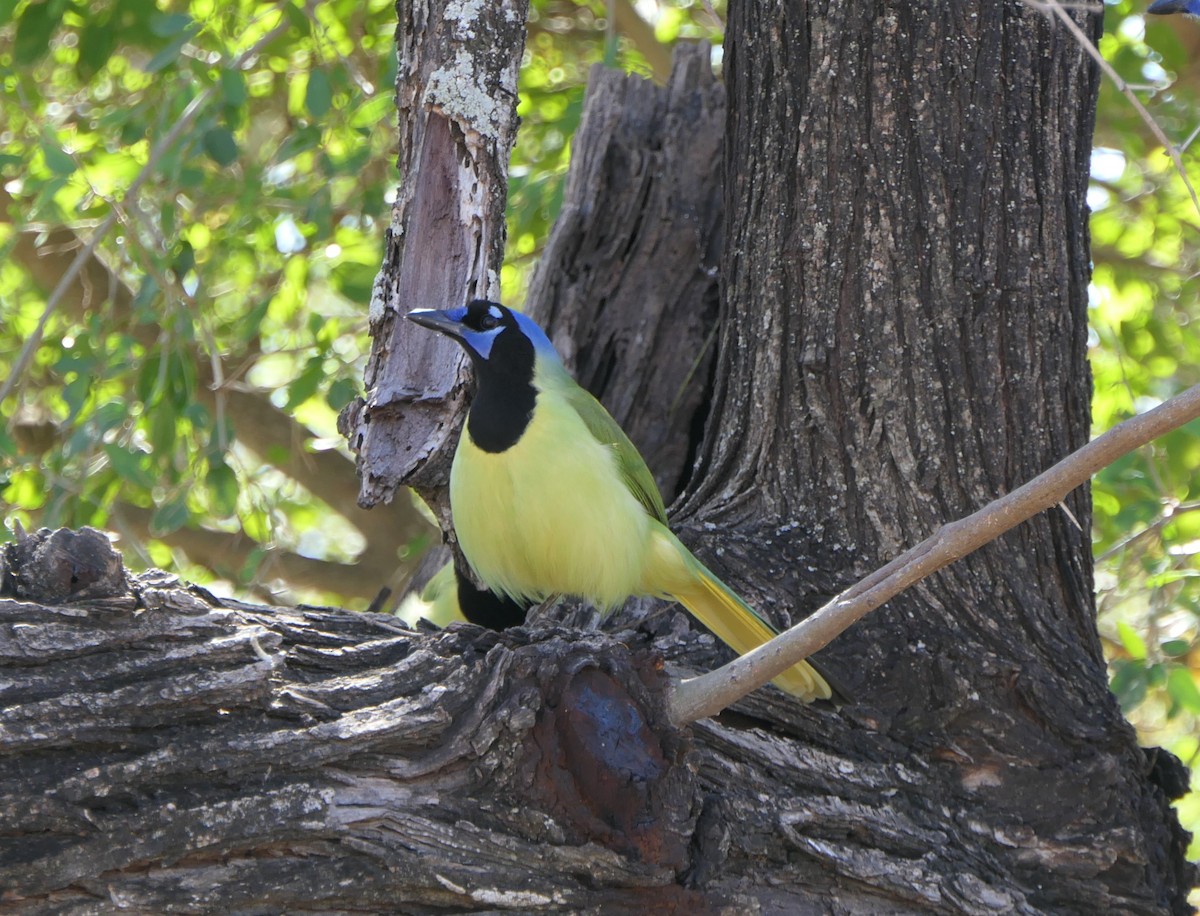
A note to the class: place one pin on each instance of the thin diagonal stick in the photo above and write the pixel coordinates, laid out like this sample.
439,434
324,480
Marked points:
710,693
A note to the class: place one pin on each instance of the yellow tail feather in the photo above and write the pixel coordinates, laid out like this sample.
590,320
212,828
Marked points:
735,624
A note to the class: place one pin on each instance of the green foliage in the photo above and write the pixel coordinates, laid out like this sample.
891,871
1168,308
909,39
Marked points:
1146,348
566,39
246,257
244,263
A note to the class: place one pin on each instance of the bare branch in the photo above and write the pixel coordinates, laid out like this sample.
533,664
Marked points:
708,694
225,553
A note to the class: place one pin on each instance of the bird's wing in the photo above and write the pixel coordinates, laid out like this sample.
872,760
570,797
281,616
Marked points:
633,467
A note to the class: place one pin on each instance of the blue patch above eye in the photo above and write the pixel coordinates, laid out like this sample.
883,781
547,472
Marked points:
541,343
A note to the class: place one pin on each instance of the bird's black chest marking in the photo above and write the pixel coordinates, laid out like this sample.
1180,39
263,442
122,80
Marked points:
505,397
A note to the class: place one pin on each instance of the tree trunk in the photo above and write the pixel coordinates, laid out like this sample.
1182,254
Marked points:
904,338
901,339
456,91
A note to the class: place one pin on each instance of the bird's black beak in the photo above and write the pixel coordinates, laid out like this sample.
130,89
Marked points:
443,322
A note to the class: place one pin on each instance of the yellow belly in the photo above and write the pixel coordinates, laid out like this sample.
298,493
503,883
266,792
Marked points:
550,515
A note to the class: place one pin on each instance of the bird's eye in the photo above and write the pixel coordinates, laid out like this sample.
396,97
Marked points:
487,321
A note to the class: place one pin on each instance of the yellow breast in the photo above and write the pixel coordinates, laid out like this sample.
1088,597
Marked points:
551,514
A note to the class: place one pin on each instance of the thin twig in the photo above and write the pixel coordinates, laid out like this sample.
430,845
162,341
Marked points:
160,149
1169,513
1055,7
710,693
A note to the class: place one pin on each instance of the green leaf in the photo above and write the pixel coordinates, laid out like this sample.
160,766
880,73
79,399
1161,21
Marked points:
1171,575
342,392
164,25
170,516
220,145
26,488
223,488
163,431
233,88
75,393
57,159
1176,647
1182,688
170,51
130,465
305,384
318,97
354,281
253,561
301,141
1131,640
1129,684
34,31
110,415
185,259
97,42
250,325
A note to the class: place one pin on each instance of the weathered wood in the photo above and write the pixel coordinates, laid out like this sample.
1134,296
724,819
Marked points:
629,275
457,95
176,749
181,753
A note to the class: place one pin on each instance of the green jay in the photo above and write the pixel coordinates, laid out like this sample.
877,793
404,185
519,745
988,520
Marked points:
549,497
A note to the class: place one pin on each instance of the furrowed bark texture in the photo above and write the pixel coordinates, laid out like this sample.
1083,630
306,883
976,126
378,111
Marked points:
164,751
160,750
629,275
457,94
904,337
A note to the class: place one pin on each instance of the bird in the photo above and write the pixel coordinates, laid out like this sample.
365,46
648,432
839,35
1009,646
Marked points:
451,596
548,496
1189,8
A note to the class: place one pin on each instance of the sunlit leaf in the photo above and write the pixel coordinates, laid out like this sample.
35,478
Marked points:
220,145
318,96
1181,685
1132,641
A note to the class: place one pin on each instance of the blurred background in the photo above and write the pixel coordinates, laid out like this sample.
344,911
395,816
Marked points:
182,387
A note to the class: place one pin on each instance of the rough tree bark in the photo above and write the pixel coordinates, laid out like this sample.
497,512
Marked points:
899,342
904,336
456,91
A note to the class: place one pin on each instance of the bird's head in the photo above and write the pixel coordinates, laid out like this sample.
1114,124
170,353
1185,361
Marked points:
494,337
1189,8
